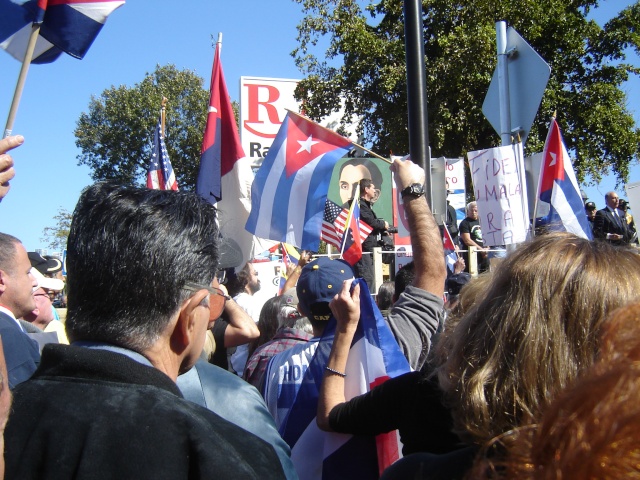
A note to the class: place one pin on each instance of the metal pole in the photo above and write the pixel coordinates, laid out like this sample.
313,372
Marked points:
417,91
503,83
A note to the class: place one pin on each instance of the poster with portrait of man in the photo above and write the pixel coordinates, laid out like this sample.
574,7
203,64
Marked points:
349,171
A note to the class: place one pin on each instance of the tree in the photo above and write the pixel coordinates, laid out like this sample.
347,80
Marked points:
116,136
364,64
56,236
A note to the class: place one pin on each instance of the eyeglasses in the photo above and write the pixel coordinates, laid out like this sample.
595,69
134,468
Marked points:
216,300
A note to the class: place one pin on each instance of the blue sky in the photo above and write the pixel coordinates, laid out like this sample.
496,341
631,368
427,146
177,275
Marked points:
258,37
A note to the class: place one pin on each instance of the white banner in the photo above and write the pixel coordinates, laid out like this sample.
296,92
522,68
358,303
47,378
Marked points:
633,197
501,193
263,105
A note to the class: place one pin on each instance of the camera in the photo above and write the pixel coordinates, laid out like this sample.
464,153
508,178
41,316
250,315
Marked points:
392,230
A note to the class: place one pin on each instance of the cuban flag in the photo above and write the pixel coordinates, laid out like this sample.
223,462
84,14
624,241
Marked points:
225,175
289,193
160,174
66,26
559,188
374,358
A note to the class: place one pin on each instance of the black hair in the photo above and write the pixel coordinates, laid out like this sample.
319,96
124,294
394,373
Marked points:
130,253
237,281
267,323
404,277
384,299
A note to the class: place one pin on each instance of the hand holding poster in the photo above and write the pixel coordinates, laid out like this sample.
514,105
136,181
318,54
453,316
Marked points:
500,192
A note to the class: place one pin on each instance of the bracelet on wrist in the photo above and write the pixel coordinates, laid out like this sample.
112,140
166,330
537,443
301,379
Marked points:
336,372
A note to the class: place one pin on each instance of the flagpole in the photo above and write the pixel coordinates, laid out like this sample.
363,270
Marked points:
521,175
347,223
535,205
163,109
22,78
354,143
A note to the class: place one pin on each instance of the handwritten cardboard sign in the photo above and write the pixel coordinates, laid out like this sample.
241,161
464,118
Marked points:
501,193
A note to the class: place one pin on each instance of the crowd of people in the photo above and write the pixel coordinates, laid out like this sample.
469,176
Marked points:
167,367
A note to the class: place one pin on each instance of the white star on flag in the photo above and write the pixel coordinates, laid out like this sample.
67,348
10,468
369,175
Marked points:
306,144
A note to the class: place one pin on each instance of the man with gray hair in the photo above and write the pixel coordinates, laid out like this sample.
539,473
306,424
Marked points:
610,224
16,300
471,236
142,291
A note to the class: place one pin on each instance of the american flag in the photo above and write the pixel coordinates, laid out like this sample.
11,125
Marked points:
333,224
159,173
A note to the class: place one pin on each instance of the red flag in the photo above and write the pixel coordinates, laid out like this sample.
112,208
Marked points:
221,147
225,174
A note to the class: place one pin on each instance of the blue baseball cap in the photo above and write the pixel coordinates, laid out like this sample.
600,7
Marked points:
319,282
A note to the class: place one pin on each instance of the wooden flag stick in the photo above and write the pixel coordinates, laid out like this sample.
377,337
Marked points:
354,144
22,78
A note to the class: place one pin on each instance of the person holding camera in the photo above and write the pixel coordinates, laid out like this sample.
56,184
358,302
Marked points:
364,267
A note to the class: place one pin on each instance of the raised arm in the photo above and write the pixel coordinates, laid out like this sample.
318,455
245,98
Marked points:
241,329
416,315
426,241
294,273
346,308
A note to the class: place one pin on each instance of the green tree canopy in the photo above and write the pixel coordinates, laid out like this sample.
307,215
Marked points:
364,64
56,236
116,135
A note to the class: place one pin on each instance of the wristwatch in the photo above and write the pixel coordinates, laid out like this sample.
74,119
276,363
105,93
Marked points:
414,190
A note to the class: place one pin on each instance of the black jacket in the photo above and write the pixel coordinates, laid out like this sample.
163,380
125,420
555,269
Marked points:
368,216
97,414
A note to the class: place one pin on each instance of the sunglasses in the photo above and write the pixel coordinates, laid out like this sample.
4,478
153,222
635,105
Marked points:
216,300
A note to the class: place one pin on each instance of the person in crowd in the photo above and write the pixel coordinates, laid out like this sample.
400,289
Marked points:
7,172
293,329
130,342
609,225
471,236
623,206
385,298
268,321
544,305
451,219
16,301
591,209
233,399
591,429
426,274
43,316
5,405
234,327
242,287
364,267
319,282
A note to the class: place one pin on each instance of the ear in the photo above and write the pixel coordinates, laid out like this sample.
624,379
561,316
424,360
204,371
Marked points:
3,281
182,335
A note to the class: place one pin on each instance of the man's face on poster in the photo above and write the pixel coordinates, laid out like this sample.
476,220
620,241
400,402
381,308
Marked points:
349,177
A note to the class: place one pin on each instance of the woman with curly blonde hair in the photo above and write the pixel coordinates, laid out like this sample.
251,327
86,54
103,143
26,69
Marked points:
535,330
